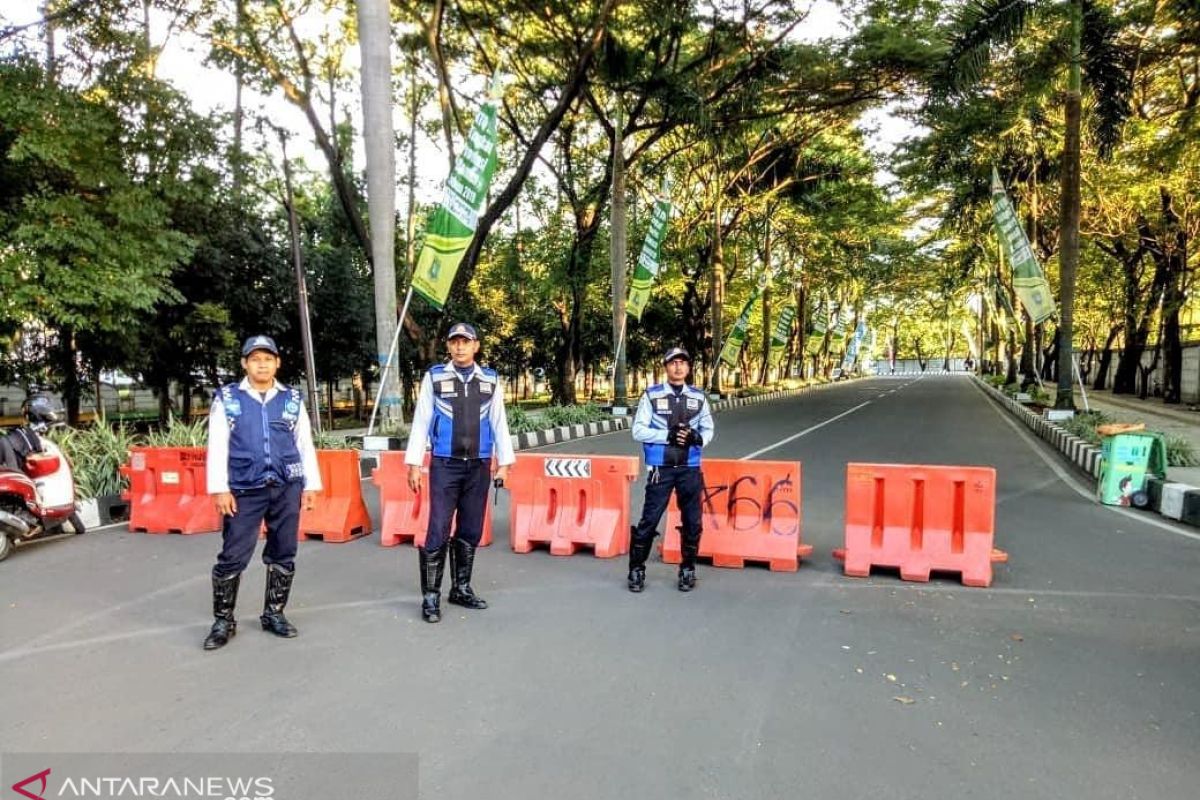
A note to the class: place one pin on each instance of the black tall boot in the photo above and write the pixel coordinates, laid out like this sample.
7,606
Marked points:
279,586
639,551
687,565
462,562
225,591
433,562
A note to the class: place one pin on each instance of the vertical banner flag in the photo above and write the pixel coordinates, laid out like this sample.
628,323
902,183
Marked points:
647,264
855,342
812,345
1028,280
737,336
781,334
452,224
837,336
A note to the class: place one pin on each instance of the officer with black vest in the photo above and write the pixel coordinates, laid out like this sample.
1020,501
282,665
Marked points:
260,462
673,422
460,415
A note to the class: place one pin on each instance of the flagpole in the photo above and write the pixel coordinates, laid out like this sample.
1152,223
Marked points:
388,364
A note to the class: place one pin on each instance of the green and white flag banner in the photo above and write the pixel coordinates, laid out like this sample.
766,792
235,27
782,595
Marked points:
452,224
1029,281
812,344
648,264
737,337
855,342
781,334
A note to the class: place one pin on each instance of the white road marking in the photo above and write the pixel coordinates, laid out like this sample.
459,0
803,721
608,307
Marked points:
1072,482
804,432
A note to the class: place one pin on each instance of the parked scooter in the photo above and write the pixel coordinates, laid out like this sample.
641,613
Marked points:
37,489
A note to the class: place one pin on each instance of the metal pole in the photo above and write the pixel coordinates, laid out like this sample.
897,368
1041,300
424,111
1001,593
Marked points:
387,365
310,366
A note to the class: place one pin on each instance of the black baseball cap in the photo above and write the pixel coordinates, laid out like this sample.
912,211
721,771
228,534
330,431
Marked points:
462,329
259,343
676,352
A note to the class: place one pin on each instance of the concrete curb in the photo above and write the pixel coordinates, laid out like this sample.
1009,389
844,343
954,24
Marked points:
1177,501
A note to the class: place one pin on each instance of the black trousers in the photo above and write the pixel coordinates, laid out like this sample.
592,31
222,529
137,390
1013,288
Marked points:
688,485
279,507
458,490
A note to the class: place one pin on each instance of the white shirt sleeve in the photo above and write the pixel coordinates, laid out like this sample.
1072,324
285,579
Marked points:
418,434
499,419
216,468
704,424
646,427
308,453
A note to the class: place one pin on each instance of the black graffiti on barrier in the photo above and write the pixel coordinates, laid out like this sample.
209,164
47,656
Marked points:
750,512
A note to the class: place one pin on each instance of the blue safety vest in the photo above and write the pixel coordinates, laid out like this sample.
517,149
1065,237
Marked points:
262,439
668,409
461,426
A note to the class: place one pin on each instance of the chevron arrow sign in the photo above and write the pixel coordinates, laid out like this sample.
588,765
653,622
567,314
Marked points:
568,468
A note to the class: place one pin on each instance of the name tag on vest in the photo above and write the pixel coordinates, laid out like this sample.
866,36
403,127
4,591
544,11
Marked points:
662,404
485,387
693,403
448,389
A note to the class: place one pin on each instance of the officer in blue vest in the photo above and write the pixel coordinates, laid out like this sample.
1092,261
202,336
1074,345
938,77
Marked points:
460,415
673,422
261,466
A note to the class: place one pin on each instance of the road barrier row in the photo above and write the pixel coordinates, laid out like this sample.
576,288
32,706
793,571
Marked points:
915,518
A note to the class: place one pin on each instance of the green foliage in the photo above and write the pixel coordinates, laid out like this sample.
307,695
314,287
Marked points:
177,433
521,421
1181,453
96,455
1084,425
556,416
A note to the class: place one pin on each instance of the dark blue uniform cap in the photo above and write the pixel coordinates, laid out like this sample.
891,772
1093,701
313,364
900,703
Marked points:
676,352
462,329
259,343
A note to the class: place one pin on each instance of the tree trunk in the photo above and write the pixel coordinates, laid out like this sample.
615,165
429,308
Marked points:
1174,299
1106,359
374,25
1068,252
1027,369
716,297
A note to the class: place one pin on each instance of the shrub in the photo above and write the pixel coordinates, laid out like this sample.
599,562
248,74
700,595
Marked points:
96,455
519,421
572,415
1180,453
1084,425
178,433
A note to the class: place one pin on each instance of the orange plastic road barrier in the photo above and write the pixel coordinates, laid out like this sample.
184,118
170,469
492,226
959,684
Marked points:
405,515
339,514
921,518
751,511
168,491
571,501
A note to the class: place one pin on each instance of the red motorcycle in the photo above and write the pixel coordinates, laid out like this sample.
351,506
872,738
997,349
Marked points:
37,489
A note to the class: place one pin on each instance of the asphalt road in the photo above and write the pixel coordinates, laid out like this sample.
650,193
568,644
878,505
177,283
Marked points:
1074,675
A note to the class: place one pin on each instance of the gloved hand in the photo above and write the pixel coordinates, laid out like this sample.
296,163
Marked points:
681,434
694,438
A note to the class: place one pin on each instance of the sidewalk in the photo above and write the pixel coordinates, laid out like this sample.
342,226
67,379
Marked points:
1173,421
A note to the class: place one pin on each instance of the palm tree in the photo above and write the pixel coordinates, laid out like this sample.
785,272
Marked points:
1088,32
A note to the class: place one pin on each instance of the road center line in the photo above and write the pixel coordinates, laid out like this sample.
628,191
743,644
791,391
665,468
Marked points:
804,432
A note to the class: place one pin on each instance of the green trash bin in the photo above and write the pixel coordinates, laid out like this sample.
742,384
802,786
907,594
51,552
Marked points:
1126,461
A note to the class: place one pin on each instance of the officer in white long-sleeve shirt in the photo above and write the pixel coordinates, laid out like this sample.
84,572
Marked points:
460,414
261,466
